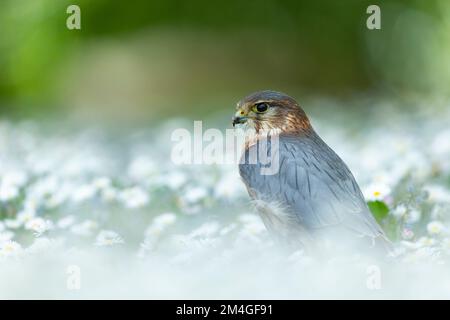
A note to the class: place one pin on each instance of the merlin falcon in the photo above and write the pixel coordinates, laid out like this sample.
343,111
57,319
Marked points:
312,200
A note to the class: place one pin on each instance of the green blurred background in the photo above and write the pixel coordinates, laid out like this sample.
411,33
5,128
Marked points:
144,60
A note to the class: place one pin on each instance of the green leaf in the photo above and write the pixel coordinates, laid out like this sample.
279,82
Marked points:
379,209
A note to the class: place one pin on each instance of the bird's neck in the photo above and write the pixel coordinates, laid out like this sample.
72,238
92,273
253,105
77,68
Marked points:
252,138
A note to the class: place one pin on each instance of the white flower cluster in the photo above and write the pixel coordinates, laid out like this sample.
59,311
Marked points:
80,190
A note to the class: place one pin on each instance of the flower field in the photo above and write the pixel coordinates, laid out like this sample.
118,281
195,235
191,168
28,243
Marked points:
134,225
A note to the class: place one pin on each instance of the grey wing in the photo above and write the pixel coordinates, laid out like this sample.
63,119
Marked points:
315,185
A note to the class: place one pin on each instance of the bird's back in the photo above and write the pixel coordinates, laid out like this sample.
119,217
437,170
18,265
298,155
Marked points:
313,188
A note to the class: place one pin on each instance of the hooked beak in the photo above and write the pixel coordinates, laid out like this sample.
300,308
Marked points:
239,120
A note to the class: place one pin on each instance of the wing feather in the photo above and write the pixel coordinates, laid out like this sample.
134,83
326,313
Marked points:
315,185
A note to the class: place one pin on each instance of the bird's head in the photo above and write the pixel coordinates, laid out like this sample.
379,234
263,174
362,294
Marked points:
271,111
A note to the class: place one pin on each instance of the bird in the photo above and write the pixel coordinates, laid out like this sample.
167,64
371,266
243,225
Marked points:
312,200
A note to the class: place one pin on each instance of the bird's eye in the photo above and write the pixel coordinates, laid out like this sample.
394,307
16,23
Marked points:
261,107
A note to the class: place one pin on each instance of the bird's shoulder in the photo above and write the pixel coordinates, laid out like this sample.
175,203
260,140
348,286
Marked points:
307,151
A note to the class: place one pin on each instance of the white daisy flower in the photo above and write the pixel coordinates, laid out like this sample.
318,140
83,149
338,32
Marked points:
426,242
8,192
205,230
156,229
108,238
10,249
435,228
400,211
153,232
38,225
134,198
46,186
83,193
141,167
101,183
252,227
109,194
377,192
413,216
229,187
194,195
57,198
25,216
174,180
165,219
